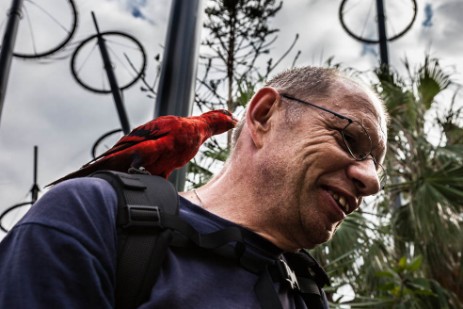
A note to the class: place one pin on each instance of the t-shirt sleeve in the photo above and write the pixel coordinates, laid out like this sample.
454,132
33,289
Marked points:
62,254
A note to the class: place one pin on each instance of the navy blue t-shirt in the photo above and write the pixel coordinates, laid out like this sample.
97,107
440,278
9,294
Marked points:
62,254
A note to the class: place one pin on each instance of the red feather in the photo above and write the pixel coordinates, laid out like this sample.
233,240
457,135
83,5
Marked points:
159,146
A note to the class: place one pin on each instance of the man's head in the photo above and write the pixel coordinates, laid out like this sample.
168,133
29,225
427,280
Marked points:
313,83
312,142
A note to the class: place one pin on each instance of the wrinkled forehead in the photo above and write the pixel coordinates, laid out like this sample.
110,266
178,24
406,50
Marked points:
360,103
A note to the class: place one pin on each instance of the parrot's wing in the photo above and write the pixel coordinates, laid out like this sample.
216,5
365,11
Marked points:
152,130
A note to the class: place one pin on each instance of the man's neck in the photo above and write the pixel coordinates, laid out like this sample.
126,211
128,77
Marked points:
234,200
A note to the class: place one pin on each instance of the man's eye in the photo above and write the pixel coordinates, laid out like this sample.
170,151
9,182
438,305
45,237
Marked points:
350,140
360,148
353,143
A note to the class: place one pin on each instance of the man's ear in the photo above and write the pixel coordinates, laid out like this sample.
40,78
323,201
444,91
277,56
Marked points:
260,111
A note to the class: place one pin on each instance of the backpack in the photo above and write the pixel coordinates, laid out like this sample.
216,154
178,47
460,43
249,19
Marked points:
148,223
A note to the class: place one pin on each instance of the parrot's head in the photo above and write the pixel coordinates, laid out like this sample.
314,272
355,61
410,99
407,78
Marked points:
219,121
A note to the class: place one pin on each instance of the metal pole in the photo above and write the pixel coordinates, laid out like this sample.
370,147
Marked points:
382,33
6,53
112,80
176,85
35,187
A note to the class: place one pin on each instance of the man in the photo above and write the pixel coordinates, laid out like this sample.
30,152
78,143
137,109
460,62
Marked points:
307,151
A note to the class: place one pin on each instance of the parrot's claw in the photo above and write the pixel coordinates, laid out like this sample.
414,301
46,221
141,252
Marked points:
139,170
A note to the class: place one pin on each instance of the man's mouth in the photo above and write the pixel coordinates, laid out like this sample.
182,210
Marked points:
341,200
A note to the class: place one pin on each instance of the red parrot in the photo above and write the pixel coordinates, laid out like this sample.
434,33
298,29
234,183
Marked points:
159,146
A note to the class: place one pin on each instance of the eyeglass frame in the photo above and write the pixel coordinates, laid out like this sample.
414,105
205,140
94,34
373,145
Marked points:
382,179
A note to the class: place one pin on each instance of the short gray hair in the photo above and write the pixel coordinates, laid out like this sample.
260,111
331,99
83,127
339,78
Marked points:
305,82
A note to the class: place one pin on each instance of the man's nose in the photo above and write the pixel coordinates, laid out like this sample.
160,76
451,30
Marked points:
364,176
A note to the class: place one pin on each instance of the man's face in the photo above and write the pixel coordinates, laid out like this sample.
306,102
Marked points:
315,181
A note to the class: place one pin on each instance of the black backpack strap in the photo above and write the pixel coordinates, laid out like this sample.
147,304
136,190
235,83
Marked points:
309,278
301,273
142,242
148,223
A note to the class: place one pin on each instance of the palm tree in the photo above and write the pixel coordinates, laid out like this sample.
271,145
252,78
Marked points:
411,253
425,198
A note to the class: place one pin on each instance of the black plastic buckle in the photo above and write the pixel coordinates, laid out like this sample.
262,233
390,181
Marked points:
288,275
143,216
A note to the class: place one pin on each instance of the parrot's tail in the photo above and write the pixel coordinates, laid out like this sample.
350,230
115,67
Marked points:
82,172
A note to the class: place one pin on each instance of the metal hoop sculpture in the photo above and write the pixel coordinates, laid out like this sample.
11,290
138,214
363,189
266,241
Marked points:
343,10
69,32
99,140
138,71
9,210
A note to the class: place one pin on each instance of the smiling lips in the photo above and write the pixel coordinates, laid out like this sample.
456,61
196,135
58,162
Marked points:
342,202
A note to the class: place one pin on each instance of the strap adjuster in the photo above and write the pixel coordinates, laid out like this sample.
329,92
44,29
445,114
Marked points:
288,275
143,216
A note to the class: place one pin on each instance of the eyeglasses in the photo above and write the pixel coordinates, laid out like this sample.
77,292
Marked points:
356,139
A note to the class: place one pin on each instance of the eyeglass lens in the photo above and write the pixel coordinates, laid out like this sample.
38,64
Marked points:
357,140
359,144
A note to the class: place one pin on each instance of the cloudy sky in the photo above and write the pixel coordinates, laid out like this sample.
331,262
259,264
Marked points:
45,106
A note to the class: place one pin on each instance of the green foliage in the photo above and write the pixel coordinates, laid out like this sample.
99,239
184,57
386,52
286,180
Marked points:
402,286
409,254
425,198
212,153
432,80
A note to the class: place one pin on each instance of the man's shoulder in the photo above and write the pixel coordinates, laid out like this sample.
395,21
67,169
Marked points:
82,186
75,205
62,252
